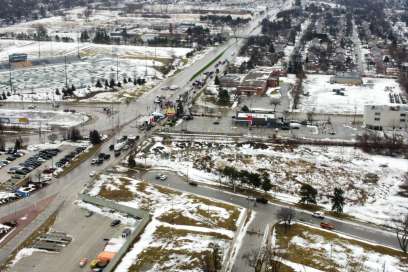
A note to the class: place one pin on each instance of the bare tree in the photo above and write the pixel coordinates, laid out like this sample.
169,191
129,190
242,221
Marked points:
286,215
273,258
402,233
310,116
52,137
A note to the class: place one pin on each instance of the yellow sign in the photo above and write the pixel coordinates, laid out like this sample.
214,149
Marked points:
23,120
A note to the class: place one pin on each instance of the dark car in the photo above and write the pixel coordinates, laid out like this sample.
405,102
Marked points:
10,158
89,214
262,200
111,147
115,222
193,183
107,156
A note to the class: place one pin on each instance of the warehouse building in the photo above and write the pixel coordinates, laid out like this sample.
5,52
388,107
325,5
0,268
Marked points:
257,81
347,79
386,117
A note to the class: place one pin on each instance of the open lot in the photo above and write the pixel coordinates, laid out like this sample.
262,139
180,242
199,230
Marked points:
322,99
42,119
371,183
311,249
183,227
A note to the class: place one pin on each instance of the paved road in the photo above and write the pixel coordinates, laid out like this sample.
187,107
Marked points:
267,214
68,186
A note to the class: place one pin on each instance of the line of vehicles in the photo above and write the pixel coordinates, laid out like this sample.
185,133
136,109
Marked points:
32,162
69,157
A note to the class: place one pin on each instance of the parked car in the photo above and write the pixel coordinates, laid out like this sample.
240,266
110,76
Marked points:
318,214
193,183
262,200
92,173
115,222
326,225
188,117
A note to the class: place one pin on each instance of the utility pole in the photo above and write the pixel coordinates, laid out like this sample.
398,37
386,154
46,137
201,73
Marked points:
10,76
39,48
117,67
66,75
78,44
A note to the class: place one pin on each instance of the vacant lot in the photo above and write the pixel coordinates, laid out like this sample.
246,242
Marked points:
371,183
186,233
326,251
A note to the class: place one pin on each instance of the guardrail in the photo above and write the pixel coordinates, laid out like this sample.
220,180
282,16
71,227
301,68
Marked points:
145,219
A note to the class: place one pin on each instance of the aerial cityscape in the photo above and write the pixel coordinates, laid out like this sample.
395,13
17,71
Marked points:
204,135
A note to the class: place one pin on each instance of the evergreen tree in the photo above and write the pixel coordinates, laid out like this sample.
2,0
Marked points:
98,84
74,135
112,83
18,144
57,92
131,161
216,80
106,83
307,194
266,183
4,96
338,200
95,137
125,81
223,97
84,36
245,108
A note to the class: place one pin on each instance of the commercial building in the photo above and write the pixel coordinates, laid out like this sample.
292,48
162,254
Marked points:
267,119
347,79
257,81
230,80
386,117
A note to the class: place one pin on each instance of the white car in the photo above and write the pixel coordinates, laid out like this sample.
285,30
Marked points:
92,173
163,177
318,214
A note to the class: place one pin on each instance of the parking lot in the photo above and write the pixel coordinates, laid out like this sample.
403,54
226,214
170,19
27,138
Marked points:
88,234
225,124
24,172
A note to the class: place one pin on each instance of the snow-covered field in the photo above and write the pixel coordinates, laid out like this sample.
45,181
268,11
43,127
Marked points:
371,182
43,118
57,49
313,250
183,229
322,99
39,83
